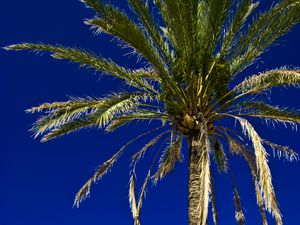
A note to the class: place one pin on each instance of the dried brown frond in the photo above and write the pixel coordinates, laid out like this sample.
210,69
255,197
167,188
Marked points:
213,201
143,191
239,215
263,171
132,201
284,151
259,200
84,192
170,156
239,149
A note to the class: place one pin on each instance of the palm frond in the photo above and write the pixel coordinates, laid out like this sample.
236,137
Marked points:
213,201
140,115
260,203
239,215
132,201
141,8
264,30
216,14
170,156
273,78
88,59
79,113
113,21
240,149
219,155
84,192
137,156
269,112
243,10
284,151
263,170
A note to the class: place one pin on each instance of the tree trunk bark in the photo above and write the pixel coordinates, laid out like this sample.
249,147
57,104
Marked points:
199,178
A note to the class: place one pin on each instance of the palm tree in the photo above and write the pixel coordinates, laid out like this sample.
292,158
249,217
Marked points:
194,50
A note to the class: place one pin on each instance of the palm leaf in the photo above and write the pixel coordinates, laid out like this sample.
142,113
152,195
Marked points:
84,192
88,59
244,9
170,156
239,215
214,201
219,155
265,29
269,79
264,174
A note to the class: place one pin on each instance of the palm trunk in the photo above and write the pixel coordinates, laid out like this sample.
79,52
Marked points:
199,178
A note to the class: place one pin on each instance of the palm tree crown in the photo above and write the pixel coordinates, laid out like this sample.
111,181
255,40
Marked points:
194,51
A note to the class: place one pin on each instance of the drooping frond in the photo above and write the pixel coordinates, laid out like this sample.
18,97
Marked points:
264,30
219,155
137,156
269,79
213,201
239,215
264,175
170,156
239,149
84,192
88,59
284,151
259,201
132,201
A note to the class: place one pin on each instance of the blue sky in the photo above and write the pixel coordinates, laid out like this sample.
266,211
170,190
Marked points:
39,181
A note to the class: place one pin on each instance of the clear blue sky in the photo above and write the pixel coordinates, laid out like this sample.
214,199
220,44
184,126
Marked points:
39,181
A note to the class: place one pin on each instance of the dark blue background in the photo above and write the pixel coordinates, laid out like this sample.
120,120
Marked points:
39,181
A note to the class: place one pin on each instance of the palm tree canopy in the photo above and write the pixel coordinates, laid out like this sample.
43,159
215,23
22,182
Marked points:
194,50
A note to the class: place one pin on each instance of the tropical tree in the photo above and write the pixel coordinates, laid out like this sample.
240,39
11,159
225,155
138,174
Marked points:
194,51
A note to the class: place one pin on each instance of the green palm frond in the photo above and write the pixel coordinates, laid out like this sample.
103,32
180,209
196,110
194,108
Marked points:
244,9
269,112
269,79
141,8
75,114
264,30
112,21
256,84
217,12
91,60
140,115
